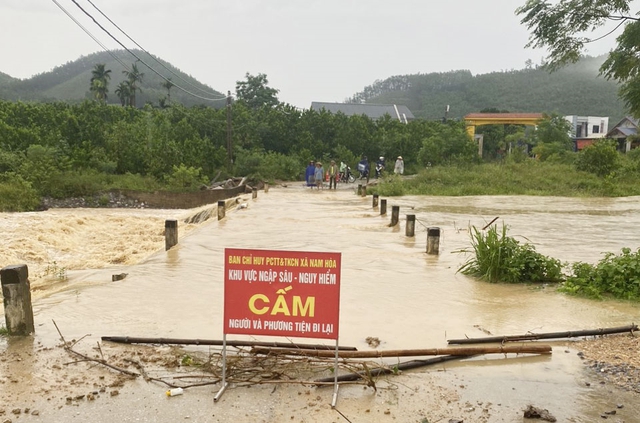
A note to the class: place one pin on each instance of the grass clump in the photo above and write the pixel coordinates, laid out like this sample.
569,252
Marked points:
616,276
501,258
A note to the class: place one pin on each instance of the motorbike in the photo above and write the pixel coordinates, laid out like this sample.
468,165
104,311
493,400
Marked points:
379,169
346,176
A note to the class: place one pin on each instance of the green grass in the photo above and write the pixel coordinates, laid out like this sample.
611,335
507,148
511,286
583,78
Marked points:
498,257
528,178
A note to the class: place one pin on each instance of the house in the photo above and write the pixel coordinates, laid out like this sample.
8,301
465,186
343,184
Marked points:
621,132
585,130
372,111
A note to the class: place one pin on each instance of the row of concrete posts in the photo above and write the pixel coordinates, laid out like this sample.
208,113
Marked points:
433,233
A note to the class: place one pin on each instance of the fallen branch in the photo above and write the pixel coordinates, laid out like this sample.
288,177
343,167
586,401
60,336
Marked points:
461,351
549,335
177,341
87,358
407,365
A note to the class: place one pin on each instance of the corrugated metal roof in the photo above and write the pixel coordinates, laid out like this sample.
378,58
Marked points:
373,111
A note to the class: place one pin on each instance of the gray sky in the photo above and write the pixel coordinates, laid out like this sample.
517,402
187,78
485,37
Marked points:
311,50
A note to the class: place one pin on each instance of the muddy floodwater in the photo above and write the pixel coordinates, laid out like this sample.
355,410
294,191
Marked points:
390,289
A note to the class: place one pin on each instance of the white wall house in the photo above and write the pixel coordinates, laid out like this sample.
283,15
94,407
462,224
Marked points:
588,127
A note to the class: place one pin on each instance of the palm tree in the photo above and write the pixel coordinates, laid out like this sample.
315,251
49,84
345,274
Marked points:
168,85
123,91
134,77
100,81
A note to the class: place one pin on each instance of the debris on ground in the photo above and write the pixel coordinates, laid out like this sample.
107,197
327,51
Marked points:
532,412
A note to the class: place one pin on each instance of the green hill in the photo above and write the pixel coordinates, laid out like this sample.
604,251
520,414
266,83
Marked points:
574,90
70,82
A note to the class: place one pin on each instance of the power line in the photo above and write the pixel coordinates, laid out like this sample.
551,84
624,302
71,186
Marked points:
91,35
142,48
142,61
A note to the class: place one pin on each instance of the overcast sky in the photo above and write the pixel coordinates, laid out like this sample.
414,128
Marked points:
310,50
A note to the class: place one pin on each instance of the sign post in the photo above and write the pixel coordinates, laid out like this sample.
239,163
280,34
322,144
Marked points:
281,293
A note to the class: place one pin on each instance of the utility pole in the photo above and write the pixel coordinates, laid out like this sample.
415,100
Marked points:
229,148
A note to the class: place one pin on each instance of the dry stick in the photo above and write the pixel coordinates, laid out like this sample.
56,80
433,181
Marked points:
548,335
489,224
103,362
519,349
177,341
407,365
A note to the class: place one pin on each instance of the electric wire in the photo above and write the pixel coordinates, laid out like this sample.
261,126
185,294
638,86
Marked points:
607,34
91,35
142,61
150,55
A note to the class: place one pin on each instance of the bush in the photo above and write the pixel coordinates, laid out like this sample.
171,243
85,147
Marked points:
16,194
500,258
600,158
615,275
269,166
186,178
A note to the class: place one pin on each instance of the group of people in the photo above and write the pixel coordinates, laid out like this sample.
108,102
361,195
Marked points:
316,175
363,167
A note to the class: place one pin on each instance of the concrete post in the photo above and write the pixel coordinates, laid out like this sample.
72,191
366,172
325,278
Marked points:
395,215
254,193
364,191
16,290
375,200
222,208
170,233
359,189
383,207
266,187
410,230
433,241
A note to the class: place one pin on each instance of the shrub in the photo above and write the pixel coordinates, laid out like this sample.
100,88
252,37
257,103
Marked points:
186,178
615,275
17,194
600,158
500,258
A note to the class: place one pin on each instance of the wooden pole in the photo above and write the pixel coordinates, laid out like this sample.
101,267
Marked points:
16,290
433,241
395,215
547,335
170,234
407,365
383,207
410,229
229,135
222,208
180,341
516,349
375,200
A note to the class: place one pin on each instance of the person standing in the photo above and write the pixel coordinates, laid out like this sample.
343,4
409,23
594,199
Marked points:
310,174
319,174
399,167
333,174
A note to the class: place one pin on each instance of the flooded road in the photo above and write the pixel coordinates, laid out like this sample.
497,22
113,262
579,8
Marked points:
390,289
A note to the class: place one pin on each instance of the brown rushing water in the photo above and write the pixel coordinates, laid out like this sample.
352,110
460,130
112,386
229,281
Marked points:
390,288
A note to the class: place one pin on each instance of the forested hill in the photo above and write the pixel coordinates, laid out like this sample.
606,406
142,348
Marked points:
574,90
71,82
